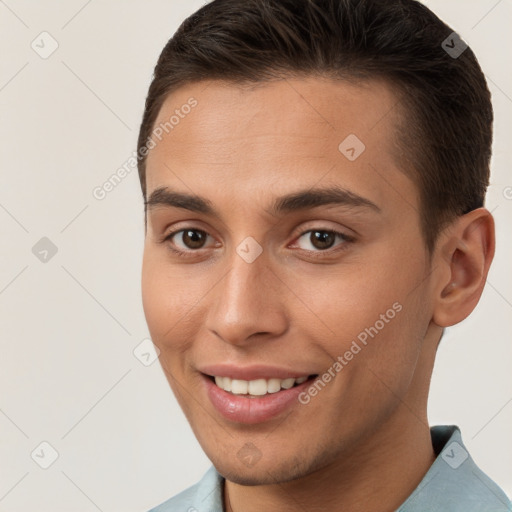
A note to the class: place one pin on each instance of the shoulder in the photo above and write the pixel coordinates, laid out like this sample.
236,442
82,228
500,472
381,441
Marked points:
204,495
454,482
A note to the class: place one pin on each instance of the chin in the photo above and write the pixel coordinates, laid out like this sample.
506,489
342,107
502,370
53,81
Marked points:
263,473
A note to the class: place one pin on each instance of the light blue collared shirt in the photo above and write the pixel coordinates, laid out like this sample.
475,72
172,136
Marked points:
454,483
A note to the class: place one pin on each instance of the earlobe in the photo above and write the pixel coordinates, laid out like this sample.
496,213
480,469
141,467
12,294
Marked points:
465,255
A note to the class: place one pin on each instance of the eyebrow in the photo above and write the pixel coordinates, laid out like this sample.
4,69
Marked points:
295,201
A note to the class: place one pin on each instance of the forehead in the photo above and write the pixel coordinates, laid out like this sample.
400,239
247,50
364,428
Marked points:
277,136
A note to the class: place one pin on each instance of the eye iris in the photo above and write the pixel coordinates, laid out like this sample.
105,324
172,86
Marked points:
193,239
322,239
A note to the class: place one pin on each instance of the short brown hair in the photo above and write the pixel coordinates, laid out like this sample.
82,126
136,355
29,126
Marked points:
446,135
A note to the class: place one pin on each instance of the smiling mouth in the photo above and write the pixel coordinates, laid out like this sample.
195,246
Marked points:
258,387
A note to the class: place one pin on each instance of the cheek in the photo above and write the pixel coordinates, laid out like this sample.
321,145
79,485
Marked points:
153,296
347,300
166,300
169,311
371,315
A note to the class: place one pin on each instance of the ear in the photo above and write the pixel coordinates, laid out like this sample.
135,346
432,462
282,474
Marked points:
464,254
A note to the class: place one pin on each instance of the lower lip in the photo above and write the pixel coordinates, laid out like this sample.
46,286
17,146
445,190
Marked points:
242,409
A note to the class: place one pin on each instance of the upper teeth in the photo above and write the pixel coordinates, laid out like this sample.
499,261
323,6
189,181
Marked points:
256,387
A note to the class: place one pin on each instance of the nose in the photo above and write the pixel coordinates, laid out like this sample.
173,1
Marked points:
246,303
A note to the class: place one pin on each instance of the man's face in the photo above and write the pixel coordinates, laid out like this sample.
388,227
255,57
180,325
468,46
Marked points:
264,292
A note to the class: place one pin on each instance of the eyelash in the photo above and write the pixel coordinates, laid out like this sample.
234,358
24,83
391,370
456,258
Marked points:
315,254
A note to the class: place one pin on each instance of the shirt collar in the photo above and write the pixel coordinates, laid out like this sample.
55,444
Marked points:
453,483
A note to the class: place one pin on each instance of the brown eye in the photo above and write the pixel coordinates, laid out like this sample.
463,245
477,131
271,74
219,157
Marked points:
318,240
322,239
187,239
193,238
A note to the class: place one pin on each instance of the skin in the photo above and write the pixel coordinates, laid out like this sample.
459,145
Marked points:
240,148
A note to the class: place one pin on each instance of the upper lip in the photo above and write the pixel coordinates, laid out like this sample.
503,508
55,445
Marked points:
252,372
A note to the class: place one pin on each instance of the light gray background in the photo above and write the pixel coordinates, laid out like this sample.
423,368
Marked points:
68,375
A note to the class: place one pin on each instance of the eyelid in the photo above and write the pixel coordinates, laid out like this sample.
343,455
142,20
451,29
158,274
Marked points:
178,227
342,231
